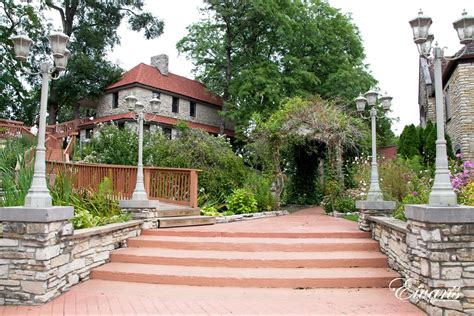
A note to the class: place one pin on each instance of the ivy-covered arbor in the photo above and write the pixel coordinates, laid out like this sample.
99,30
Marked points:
303,129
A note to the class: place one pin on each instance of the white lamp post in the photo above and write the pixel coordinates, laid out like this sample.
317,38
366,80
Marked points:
139,196
442,193
374,205
38,194
38,202
374,194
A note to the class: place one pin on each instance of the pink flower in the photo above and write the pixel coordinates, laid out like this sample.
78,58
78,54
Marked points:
414,193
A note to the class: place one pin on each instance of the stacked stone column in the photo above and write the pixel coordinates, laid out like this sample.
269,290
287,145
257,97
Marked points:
29,247
440,242
373,208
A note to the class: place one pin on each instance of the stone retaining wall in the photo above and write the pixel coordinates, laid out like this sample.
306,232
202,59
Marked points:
39,261
391,234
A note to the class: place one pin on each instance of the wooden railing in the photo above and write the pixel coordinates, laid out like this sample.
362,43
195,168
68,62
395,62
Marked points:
14,130
64,129
172,185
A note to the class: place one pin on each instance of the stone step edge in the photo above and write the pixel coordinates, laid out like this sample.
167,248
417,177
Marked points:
196,233
251,263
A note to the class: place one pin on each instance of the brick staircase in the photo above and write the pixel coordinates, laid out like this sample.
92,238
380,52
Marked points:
241,259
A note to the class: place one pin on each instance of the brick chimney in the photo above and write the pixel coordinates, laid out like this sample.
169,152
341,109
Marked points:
161,63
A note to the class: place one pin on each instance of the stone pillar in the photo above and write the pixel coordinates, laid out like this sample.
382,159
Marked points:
149,216
29,248
145,210
373,208
440,248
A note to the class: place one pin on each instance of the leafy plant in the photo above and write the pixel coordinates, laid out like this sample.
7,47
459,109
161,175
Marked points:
90,208
261,188
241,201
344,204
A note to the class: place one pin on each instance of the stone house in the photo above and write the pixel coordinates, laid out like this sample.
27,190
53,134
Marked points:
182,99
458,86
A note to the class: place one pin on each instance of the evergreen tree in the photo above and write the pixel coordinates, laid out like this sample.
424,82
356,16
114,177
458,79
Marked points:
409,142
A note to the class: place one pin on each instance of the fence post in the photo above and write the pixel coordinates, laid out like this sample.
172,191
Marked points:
193,189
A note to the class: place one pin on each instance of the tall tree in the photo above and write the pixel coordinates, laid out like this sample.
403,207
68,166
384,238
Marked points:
15,100
92,26
257,53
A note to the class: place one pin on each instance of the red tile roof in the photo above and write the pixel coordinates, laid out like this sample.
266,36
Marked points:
156,119
150,76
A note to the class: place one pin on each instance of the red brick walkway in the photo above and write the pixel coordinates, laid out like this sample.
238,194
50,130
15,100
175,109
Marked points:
111,297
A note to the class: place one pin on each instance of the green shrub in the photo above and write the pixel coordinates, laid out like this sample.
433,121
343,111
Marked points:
15,182
261,188
241,201
90,208
466,195
221,169
344,204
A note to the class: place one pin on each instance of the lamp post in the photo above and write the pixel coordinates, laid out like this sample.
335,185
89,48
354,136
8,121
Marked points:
38,194
371,96
139,196
442,192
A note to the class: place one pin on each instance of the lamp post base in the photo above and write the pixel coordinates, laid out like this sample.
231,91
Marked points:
443,198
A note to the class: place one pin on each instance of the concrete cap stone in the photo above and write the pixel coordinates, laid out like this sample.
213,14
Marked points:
440,214
139,204
36,214
376,205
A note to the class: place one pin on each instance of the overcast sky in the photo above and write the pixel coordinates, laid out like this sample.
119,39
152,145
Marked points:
387,37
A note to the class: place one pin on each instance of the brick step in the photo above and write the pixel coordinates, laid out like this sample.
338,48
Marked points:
255,244
162,256
196,233
246,277
178,211
185,221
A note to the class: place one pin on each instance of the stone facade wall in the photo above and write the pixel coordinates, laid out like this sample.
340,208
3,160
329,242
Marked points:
442,257
39,261
391,235
460,126
205,114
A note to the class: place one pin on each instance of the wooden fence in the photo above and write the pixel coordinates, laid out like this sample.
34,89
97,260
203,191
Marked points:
66,128
172,185
14,130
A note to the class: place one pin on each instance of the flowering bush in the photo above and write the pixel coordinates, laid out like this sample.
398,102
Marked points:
462,180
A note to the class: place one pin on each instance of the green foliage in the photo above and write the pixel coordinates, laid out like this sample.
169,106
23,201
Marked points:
257,53
15,100
221,169
112,145
352,217
332,191
344,204
261,188
90,208
409,145
15,182
92,28
300,134
466,195
241,201
418,141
